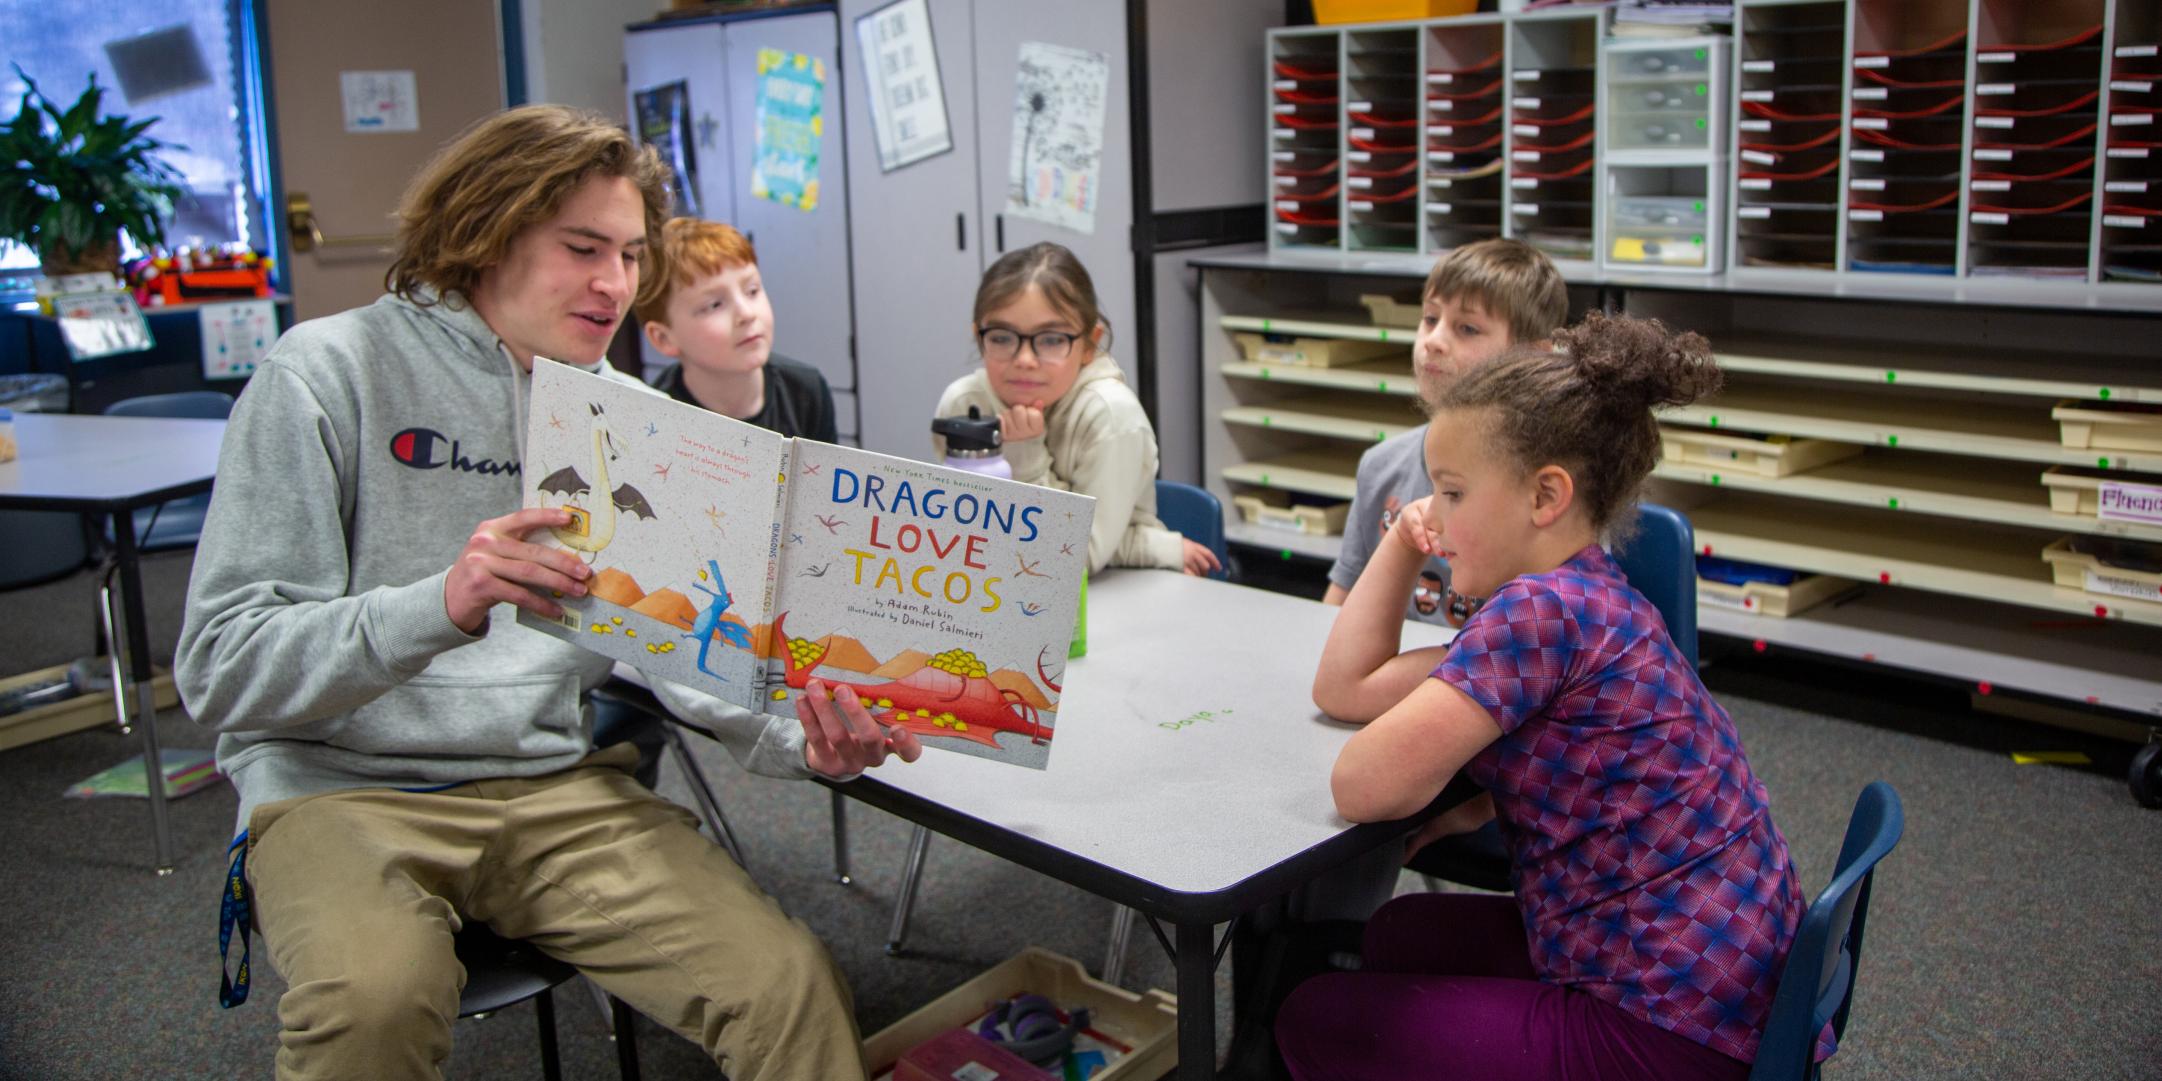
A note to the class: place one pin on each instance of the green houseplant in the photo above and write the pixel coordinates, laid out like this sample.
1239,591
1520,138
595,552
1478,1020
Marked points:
75,179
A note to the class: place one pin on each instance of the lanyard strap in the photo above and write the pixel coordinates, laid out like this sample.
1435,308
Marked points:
233,913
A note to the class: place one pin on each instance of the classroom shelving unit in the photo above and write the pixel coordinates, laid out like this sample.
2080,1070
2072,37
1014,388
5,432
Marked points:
2039,74
1939,510
2129,229
1417,137
1906,123
1665,159
1306,152
1554,116
1790,138
1466,108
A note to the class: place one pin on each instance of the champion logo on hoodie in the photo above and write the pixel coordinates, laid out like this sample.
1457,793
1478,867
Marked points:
426,448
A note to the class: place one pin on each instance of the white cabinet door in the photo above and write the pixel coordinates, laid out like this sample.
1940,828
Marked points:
915,243
696,56
802,254
1002,26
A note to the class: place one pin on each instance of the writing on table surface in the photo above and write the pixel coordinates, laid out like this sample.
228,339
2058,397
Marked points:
1196,717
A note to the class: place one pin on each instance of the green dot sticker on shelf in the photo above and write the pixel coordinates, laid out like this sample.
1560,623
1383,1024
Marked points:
1893,502
1380,435
1268,326
1715,480
1703,90
1268,421
1715,421
1891,441
1264,373
2103,394
1698,206
2101,463
1701,122
1382,386
1891,377
1384,335
1700,54
1284,555
1264,480
1697,239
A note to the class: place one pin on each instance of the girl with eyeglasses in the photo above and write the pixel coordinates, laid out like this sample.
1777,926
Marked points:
1067,419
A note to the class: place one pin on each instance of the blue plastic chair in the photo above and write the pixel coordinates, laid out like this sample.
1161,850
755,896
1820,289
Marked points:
1660,560
178,523
1197,514
1817,986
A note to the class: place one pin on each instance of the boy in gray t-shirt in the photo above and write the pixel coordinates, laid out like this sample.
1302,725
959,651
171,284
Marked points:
1479,300
1392,473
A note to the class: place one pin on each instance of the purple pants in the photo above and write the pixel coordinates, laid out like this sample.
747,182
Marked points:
1448,991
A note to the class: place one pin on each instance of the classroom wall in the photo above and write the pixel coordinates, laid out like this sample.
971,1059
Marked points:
574,50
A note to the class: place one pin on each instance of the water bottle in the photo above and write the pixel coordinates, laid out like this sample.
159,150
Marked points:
972,444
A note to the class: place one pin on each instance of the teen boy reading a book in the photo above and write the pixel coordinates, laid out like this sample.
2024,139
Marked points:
709,310
408,757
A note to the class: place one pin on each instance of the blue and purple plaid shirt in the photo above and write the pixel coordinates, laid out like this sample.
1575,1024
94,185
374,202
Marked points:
1647,866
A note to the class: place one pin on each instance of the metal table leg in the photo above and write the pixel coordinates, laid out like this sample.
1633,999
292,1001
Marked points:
139,677
1197,1001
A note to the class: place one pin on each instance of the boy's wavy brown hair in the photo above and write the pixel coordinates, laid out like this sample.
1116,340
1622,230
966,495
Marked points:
1586,404
502,176
1511,280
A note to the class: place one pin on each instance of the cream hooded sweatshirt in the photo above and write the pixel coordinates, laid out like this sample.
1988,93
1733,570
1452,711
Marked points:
1097,441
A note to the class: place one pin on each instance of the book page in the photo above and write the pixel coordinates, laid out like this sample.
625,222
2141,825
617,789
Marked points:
677,514
945,598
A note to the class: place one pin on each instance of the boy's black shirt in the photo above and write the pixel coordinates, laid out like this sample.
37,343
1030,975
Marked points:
798,402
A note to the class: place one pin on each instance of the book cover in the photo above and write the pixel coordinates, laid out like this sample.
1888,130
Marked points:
744,564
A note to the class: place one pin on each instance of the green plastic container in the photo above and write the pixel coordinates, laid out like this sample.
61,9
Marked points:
1080,644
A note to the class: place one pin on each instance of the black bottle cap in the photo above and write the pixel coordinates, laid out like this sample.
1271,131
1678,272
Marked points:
974,432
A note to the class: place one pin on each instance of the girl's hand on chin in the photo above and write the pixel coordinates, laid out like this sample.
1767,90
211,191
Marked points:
1020,422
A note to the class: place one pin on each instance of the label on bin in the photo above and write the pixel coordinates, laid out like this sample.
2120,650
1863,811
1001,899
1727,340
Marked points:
2130,119
1756,66
1756,125
1872,61
1866,183
1993,185
1871,123
1983,217
1756,183
1993,121
2125,185
2138,503
1867,155
2117,585
2137,50
1753,212
1871,93
2131,86
2124,221
1760,157
1995,88
2127,151
1768,95
1992,154
1865,215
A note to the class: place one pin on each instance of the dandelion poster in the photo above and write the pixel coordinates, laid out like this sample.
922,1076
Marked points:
791,121
1056,166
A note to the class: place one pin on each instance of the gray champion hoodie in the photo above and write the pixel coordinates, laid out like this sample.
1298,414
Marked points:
358,461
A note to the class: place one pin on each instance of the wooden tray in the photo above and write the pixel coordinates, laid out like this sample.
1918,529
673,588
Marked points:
2110,425
1313,352
1276,511
1387,311
1765,456
2073,490
74,714
1146,1022
1770,599
2078,570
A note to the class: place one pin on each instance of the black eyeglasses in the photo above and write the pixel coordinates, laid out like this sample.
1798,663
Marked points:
999,343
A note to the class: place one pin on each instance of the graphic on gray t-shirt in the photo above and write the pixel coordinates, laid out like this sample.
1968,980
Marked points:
1391,474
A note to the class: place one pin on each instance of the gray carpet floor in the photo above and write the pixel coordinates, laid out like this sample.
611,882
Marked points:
2013,933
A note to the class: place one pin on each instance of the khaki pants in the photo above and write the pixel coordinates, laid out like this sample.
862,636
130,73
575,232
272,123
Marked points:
358,893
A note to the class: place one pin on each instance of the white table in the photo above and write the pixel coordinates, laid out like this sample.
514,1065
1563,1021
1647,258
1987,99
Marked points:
110,466
1189,776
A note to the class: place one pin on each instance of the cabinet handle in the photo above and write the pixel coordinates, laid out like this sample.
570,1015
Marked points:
998,221
960,232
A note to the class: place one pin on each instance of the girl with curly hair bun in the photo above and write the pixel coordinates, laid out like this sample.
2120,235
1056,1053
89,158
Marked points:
1654,899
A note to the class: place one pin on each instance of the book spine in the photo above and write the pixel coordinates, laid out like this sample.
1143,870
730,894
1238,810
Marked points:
775,551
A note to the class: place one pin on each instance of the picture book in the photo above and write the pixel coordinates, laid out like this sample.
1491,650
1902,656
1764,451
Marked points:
744,564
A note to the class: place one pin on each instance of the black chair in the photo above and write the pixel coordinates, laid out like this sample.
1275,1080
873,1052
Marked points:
501,973
1659,559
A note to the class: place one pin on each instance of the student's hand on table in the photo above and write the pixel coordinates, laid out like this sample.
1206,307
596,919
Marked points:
1199,560
499,565
1020,422
1462,818
839,737
1414,530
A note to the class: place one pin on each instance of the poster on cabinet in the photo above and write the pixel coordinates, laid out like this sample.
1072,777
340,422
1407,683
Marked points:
1056,166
